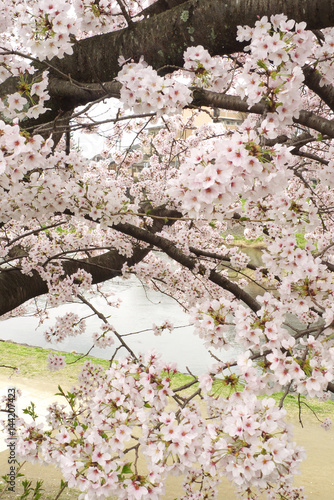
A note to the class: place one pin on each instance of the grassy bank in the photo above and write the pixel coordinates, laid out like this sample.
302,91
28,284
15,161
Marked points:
260,243
32,364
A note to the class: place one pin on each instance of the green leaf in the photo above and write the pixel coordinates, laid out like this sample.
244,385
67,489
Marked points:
31,411
61,392
262,64
127,469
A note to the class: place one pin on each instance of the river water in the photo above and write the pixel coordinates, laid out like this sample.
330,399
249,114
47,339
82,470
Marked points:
139,309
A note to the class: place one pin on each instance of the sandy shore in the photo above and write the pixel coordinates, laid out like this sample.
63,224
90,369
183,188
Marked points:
317,471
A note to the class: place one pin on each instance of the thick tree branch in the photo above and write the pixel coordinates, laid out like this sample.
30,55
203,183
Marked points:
330,387
235,103
176,254
84,93
16,288
88,92
160,6
163,37
325,92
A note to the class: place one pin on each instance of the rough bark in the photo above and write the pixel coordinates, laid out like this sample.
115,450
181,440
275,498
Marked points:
16,288
325,92
162,38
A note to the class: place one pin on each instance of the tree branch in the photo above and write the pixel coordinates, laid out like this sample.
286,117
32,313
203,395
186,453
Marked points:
163,37
16,288
234,103
325,92
176,254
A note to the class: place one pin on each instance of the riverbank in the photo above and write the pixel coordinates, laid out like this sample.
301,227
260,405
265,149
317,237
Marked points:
38,384
31,363
32,366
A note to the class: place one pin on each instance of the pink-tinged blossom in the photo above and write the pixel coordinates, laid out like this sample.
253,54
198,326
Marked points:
55,362
205,382
327,424
144,91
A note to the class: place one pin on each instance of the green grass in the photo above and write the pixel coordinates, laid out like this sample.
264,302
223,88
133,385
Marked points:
240,240
300,239
308,406
260,241
32,363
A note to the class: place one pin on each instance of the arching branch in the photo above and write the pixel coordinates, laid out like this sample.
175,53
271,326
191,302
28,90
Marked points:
306,118
16,288
176,254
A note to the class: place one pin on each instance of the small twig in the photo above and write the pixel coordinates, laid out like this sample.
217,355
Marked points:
186,386
190,373
15,368
215,357
81,356
150,330
308,406
43,63
35,231
65,485
284,395
104,319
300,411
125,13
114,355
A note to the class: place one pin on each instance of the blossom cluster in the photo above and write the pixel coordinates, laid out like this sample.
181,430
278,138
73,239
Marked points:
245,439
45,28
67,325
212,320
103,339
251,442
166,325
210,180
144,91
55,362
22,104
279,47
208,72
